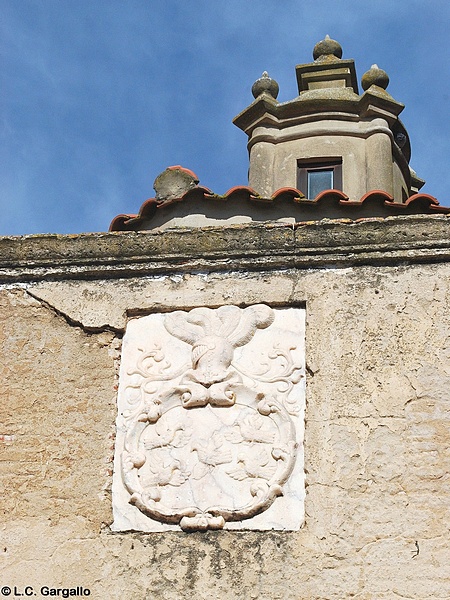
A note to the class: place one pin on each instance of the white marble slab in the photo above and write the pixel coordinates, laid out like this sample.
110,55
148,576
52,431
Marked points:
211,421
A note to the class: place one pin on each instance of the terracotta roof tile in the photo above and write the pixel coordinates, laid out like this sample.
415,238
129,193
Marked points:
187,171
240,191
288,193
327,204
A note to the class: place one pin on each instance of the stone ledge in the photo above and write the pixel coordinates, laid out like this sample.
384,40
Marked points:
254,246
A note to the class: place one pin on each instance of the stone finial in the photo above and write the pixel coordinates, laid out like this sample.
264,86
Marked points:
265,84
327,47
172,183
375,76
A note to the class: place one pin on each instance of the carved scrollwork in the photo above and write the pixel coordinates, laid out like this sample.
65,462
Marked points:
209,443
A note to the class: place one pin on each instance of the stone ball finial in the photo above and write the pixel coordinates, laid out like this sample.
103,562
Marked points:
375,76
265,84
327,47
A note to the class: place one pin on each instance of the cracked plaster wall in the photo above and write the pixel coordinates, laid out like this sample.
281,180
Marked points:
376,447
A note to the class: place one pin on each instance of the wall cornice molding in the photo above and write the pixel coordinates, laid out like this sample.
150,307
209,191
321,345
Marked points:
246,247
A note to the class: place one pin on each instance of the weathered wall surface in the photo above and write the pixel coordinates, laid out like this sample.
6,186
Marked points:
377,424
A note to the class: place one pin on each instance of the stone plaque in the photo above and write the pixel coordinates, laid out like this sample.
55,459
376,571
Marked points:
211,421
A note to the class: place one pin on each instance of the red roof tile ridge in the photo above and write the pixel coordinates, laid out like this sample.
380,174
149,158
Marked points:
335,194
327,198
241,188
295,193
148,208
120,221
433,203
184,169
423,196
377,194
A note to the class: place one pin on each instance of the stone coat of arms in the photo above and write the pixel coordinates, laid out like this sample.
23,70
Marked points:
210,425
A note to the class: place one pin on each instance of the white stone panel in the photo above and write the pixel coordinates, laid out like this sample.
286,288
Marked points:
211,421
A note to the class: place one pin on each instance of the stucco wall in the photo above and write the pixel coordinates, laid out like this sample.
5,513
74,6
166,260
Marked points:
377,298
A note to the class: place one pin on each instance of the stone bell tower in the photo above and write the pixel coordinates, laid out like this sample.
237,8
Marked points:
329,136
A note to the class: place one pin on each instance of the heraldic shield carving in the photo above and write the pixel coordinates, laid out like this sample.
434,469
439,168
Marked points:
211,419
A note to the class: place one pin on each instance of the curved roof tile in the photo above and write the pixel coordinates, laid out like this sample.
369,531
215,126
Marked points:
327,204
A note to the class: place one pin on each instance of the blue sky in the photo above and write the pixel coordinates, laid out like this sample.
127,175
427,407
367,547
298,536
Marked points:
99,96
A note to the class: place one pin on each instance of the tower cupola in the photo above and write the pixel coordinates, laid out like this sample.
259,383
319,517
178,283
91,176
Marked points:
330,136
330,152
